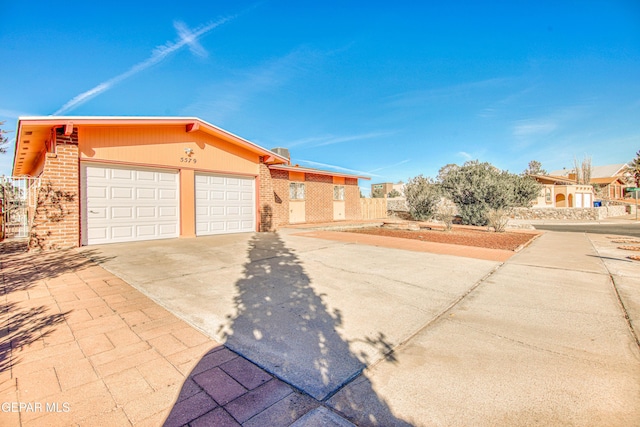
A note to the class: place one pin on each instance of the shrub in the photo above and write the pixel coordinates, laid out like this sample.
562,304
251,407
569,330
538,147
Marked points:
446,212
478,188
422,195
498,219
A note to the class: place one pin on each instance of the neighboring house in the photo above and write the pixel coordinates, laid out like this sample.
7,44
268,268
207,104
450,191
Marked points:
561,192
121,179
385,188
609,181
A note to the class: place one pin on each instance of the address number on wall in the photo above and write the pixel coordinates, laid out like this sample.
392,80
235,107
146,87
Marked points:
188,160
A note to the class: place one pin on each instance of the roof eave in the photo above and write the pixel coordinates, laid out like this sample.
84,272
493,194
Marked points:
191,124
317,171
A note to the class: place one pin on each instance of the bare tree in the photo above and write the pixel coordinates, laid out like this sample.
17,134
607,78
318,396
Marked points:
635,169
3,140
583,170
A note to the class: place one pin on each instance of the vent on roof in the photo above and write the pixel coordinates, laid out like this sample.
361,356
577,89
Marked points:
284,152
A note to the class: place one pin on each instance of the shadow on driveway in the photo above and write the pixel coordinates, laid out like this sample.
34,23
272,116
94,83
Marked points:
284,325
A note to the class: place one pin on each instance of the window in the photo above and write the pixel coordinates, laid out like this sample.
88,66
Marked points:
296,190
547,195
338,192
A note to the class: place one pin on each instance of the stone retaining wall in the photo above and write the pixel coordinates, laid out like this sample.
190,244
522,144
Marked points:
590,214
397,204
397,207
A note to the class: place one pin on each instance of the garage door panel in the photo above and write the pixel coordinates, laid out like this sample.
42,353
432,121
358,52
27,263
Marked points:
146,193
126,174
224,204
146,176
127,204
122,213
146,212
216,195
167,229
146,231
97,192
216,211
97,234
121,193
122,232
166,194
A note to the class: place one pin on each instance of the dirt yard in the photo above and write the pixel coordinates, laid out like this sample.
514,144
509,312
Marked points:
458,236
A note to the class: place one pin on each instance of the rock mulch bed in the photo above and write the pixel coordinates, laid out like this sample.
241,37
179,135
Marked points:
510,241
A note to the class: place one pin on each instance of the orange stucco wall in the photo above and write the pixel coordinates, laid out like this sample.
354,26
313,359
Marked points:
296,176
187,206
164,146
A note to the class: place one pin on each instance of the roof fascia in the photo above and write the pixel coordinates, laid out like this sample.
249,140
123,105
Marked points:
317,171
192,124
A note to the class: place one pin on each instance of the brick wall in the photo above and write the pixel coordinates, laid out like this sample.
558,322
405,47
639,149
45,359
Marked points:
56,222
274,198
353,210
280,182
319,198
267,201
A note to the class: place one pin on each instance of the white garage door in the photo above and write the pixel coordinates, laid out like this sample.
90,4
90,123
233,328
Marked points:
124,204
224,204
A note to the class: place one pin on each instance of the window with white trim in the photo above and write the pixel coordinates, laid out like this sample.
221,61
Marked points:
338,192
296,190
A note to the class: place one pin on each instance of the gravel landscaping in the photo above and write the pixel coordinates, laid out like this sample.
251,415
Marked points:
458,236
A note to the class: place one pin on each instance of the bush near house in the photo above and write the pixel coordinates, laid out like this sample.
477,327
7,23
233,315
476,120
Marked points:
423,196
484,194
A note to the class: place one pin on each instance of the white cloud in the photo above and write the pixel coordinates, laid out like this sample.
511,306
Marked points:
320,141
466,155
389,166
217,101
526,128
159,54
419,97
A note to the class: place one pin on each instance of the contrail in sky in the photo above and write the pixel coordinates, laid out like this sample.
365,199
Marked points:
186,37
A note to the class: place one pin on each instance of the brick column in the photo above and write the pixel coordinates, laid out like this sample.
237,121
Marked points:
266,204
274,198
353,208
56,222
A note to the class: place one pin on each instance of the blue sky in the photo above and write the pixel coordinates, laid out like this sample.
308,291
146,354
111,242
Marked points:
389,89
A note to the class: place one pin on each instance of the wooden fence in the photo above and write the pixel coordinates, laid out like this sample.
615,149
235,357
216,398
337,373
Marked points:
373,208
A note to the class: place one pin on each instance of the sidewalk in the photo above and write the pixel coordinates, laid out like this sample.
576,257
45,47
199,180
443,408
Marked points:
78,346
543,340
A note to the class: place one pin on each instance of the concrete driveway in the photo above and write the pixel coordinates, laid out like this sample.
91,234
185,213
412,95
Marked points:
314,312
543,338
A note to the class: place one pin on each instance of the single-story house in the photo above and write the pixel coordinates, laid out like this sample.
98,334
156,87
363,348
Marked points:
609,181
121,179
562,192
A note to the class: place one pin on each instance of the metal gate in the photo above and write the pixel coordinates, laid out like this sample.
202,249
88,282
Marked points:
19,197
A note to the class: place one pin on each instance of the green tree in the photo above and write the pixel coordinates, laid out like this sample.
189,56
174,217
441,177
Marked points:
482,192
394,193
377,193
422,195
534,168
